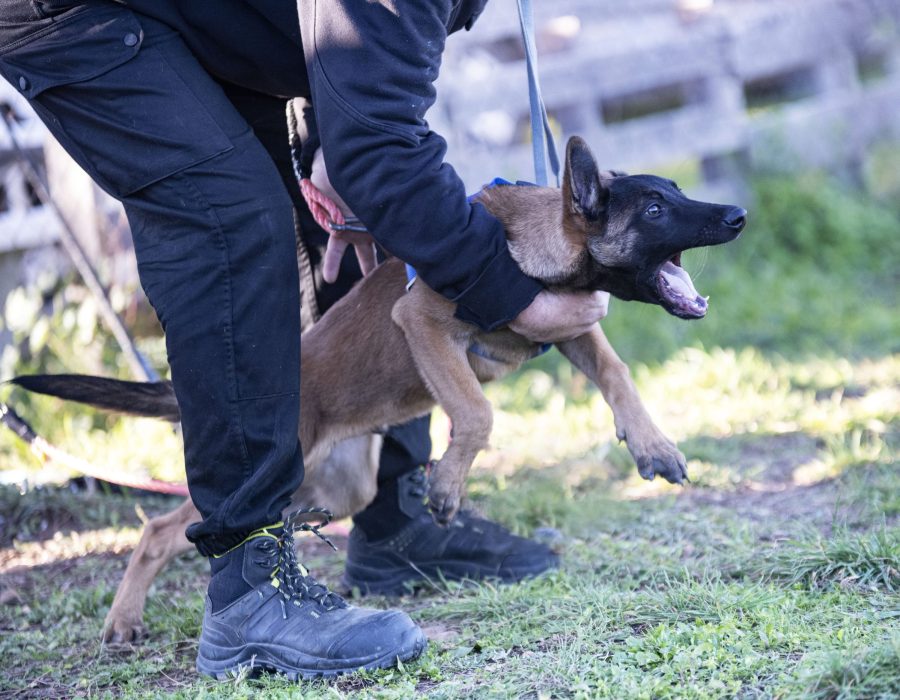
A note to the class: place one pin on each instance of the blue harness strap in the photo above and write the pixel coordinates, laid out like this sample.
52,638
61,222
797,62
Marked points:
496,182
410,276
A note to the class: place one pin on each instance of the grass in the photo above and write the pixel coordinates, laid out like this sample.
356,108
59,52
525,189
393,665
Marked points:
774,574
765,578
869,671
869,560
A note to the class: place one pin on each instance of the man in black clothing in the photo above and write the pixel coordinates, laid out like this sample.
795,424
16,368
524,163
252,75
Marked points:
176,107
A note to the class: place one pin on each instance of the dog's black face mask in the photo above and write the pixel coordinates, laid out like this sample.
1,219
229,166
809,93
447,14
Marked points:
637,228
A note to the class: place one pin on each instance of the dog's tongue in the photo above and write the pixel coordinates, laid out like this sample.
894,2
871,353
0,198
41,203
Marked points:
681,289
679,280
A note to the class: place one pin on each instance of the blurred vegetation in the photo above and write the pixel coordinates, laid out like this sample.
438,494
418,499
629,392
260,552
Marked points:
56,328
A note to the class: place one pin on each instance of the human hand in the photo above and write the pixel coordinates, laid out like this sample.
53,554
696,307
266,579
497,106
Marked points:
554,317
331,213
338,241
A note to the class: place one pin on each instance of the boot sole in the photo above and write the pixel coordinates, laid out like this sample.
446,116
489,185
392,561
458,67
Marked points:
270,657
403,579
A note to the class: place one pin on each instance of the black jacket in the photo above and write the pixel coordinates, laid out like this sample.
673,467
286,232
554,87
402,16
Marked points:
368,67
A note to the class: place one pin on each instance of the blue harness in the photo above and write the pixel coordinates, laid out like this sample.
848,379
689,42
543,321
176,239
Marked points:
476,348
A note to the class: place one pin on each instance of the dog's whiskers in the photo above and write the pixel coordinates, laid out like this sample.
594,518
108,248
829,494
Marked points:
698,259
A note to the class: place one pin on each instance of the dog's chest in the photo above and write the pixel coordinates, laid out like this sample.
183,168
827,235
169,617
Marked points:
494,355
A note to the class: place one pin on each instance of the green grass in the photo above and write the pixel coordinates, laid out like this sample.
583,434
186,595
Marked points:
869,560
774,574
868,672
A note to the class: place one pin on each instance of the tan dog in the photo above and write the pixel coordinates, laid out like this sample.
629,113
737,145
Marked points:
382,356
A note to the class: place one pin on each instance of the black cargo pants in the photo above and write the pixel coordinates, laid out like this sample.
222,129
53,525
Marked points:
213,228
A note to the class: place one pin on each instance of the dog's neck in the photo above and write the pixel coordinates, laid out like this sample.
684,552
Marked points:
540,241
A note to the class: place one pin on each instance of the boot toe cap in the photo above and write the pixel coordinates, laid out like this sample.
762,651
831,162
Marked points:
383,634
528,562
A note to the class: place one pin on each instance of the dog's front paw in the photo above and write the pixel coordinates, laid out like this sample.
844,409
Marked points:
443,506
659,456
670,468
444,498
122,628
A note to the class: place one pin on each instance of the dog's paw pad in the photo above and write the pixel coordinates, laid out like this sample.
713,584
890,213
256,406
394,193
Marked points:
671,467
124,633
672,470
443,508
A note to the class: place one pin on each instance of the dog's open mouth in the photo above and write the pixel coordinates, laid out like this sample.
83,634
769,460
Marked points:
677,292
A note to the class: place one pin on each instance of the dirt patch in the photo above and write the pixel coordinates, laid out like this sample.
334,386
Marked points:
40,513
766,493
28,581
754,457
813,505
779,456
440,633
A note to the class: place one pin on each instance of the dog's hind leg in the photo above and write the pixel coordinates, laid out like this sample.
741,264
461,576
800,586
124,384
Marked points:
162,539
346,481
651,449
441,360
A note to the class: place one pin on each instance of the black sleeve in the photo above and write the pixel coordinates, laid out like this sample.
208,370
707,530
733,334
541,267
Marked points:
371,68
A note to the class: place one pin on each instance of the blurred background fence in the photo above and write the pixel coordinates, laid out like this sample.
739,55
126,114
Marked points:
702,90
661,83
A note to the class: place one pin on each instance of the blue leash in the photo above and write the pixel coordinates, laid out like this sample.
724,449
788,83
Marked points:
542,143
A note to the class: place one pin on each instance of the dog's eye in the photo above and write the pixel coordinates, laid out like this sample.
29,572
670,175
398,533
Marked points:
654,210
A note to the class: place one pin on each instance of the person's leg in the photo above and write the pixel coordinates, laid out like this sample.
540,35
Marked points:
406,450
214,237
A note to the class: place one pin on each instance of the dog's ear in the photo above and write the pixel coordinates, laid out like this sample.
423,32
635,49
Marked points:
583,189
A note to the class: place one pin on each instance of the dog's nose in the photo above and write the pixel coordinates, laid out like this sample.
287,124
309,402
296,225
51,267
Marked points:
735,218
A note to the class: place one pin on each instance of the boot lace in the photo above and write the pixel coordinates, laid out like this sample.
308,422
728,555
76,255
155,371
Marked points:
290,577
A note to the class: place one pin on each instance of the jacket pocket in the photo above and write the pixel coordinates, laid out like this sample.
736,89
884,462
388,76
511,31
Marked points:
119,108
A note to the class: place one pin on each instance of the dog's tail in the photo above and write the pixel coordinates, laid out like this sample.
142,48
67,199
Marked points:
152,399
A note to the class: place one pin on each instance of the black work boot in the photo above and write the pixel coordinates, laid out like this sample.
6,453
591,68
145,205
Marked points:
470,548
287,622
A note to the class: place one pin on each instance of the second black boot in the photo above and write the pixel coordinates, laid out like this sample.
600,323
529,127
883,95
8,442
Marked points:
470,548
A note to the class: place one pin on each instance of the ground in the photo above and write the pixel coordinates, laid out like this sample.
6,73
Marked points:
773,574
